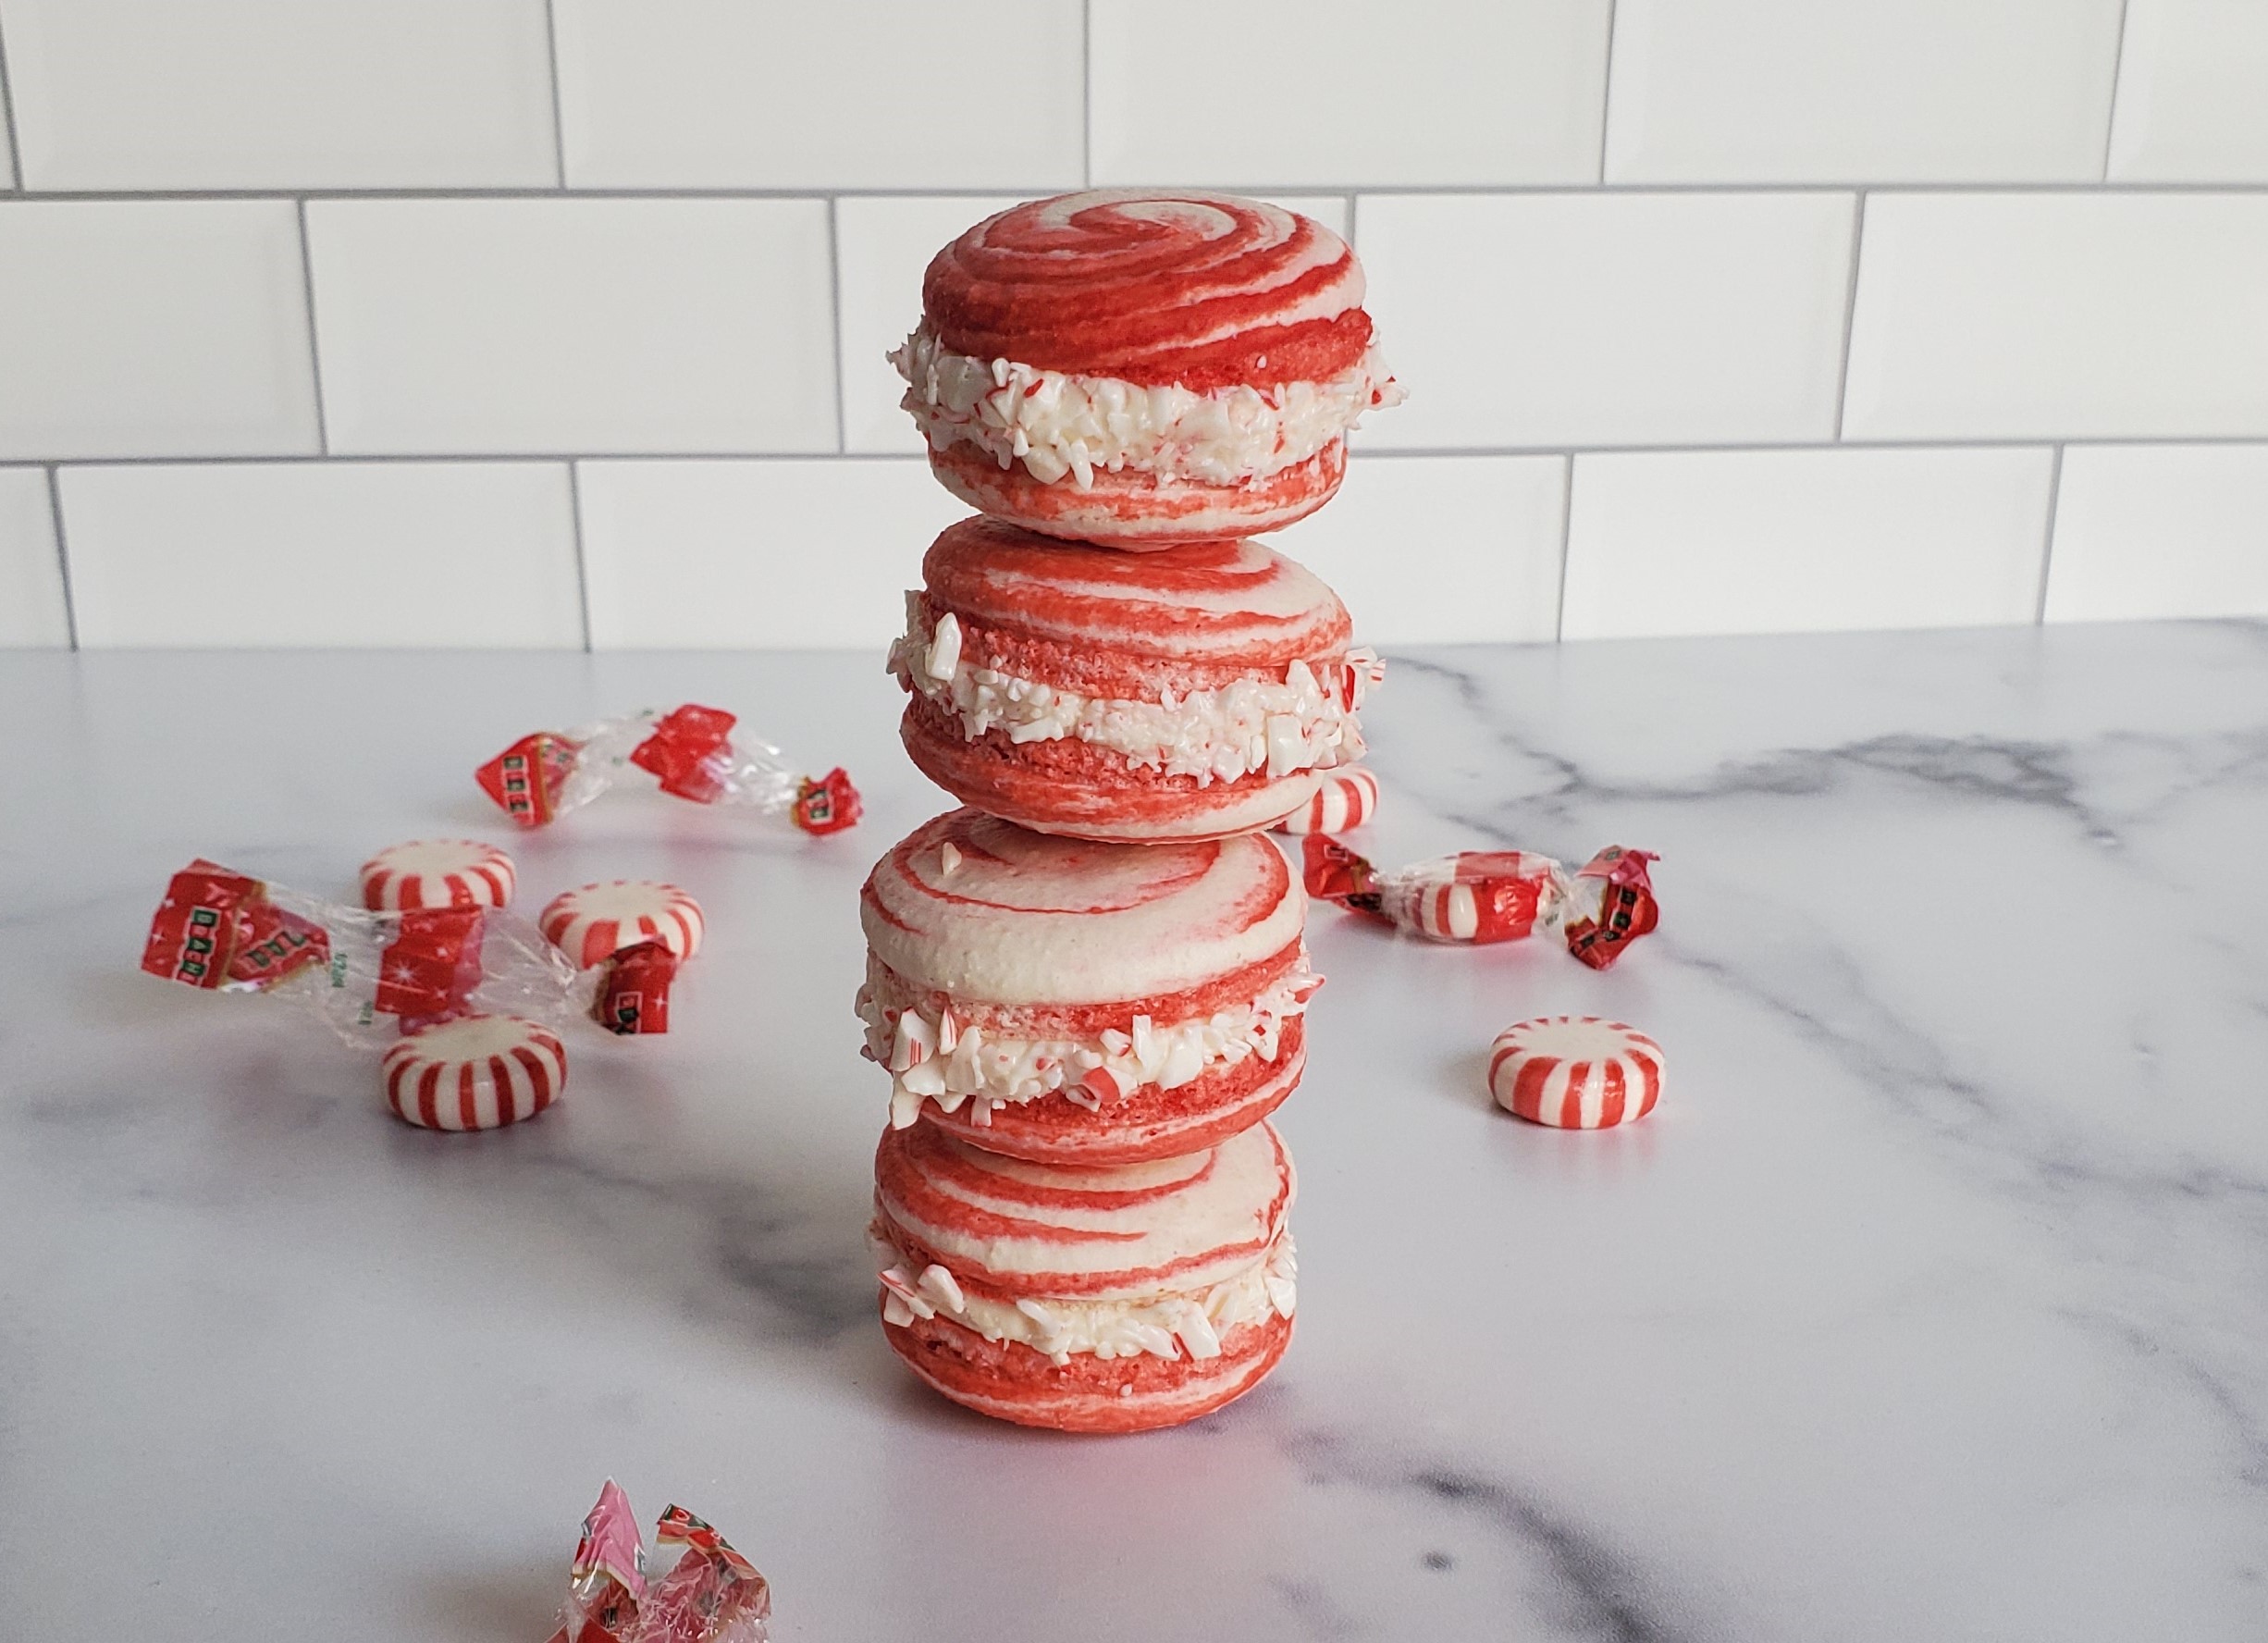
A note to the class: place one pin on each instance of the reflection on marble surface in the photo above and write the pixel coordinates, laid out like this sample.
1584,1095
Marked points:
1932,1303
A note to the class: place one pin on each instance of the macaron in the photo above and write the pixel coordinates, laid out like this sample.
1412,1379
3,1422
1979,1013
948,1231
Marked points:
1137,367
1189,693
1071,1002
1116,1300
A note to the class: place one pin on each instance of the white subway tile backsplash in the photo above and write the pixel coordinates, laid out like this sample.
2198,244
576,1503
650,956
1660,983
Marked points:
130,94
1894,91
1428,549
1781,541
300,555
557,326
7,142
152,327
2149,531
1340,92
1576,319
2192,93
853,93
1999,315
33,612
882,244
728,554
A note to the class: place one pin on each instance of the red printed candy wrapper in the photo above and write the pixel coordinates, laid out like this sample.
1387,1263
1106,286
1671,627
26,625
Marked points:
1495,896
689,752
711,1594
635,997
371,975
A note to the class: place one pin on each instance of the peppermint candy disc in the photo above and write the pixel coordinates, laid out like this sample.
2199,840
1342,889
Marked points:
1575,1073
476,1072
592,924
1343,799
437,873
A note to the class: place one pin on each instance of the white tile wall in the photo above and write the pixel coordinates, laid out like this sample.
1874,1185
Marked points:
123,95
600,326
882,244
1607,318
850,93
2192,93
153,328
1778,541
2061,315
1441,549
31,608
298,555
725,554
1809,299
1890,91
2160,531
1330,93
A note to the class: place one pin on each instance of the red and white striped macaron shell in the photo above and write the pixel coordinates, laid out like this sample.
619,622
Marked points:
1343,799
592,923
437,873
1128,1232
477,1072
1575,1073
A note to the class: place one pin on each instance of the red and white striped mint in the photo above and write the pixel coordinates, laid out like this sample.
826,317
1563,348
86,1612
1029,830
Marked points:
437,873
476,1072
1343,799
592,924
1575,1073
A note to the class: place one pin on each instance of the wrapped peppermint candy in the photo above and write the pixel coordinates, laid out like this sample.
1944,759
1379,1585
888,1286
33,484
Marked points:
372,976
689,752
1495,895
711,1594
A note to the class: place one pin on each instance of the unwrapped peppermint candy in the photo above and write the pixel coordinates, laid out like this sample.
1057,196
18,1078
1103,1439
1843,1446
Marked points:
690,752
711,1594
372,976
1495,895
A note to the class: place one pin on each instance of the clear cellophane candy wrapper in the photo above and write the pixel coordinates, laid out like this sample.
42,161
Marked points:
370,976
709,1594
691,753
1495,895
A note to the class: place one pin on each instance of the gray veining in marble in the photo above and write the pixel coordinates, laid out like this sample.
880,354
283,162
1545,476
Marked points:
1932,1303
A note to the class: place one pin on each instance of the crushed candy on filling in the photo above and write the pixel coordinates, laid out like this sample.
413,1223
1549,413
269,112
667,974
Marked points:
1189,1326
933,1056
1221,734
1063,426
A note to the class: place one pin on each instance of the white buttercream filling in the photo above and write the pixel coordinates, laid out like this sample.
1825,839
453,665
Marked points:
1219,734
933,1056
1057,424
1169,1326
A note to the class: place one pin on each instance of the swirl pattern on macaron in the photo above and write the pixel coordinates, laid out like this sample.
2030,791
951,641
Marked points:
1189,363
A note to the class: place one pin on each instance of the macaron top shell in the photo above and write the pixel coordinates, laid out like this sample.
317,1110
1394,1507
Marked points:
1234,601
973,907
1200,289
1130,1232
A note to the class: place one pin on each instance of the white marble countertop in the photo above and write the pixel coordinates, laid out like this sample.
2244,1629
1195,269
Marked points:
1932,1304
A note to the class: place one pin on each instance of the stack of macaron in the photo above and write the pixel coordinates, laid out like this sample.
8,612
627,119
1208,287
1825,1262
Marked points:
1088,984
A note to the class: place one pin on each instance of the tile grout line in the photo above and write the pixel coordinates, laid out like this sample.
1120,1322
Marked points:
559,117
2047,543
1567,535
1351,198
2118,73
1086,93
1605,93
583,576
8,120
834,298
314,344
1850,309
62,554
